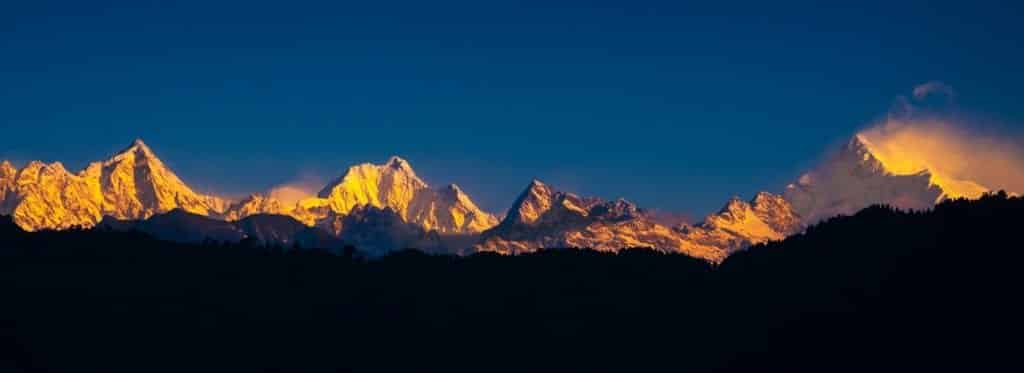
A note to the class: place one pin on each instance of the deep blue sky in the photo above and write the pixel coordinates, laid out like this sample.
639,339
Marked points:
671,105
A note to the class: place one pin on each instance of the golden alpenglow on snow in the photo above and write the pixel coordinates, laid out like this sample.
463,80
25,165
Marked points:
392,185
856,177
134,184
385,207
543,217
395,185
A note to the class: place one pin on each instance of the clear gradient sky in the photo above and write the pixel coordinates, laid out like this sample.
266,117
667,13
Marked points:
670,105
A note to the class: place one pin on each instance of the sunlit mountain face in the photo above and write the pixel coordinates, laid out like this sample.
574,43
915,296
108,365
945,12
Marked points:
909,164
386,207
393,185
133,184
852,179
905,155
546,217
961,163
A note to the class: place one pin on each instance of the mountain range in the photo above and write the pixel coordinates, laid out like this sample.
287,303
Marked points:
134,184
380,208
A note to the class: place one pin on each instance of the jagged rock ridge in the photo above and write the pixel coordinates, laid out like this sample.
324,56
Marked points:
396,186
388,207
393,185
255,204
134,184
543,217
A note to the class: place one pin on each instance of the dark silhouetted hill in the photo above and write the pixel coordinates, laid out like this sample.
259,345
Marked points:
883,290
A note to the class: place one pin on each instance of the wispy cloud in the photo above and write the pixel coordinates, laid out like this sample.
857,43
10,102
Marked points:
951,145
932,89
305,186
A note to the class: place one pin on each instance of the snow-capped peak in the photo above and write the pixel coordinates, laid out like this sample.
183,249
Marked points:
8,176
133,184
136,183
395,185
453,194
453,189
531,203
139,145
734,206
858,143
138,149
7,173
399,163
360,180
543,217
896,159
855,178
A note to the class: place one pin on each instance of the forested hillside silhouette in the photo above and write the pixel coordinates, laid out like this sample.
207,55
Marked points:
880,290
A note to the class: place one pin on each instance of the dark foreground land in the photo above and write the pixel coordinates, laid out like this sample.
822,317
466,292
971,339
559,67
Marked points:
883,290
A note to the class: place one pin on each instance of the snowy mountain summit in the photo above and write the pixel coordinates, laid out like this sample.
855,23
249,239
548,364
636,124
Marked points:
543,217
393,185
856,177
396,186
384,207
133,184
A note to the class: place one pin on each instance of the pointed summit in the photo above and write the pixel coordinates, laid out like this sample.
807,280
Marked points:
136,150
392,184
858,152
741,223
398,163
537,185
395,185
895,158
544,217
7,174
531,204
775,211
135,184
763,198
735,204
136,146
452,192
7,182
855,178
540,203
858,141
537,189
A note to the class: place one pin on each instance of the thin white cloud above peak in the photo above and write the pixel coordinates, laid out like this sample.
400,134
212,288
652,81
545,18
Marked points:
933,88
